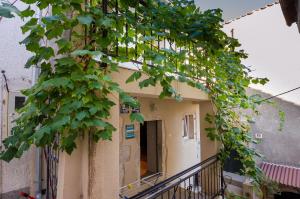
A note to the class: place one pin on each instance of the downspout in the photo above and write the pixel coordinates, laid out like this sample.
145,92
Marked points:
1,136
7,101
38,156
2,117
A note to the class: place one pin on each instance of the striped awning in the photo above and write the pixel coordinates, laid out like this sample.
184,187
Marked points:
282,174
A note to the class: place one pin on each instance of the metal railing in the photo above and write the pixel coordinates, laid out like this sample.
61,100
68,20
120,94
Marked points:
51,154
160,42
201,181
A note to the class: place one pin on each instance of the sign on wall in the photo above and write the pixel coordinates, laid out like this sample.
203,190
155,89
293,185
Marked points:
129,131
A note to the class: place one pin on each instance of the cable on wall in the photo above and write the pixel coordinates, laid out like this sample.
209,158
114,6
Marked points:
280,94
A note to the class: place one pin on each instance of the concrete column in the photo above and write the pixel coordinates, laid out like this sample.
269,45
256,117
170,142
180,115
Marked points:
104,162
71,173
92,170
208,147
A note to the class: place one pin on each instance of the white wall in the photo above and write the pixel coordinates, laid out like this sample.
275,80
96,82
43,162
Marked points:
13,56
273,50
19,173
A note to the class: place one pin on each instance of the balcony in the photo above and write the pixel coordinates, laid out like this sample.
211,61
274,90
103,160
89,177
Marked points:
201,181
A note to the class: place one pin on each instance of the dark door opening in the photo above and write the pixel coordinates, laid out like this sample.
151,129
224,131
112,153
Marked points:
151,147
233,164
287,195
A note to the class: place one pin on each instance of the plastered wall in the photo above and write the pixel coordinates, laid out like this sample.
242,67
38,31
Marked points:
95,171
19,173
285,142
178,153
208,147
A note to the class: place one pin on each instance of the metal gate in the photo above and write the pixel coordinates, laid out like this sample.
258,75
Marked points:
51,157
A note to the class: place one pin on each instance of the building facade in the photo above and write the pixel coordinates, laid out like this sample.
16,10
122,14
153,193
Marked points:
18,175
171,140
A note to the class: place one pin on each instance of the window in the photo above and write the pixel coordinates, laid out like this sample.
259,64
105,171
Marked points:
19,102
16,101
189,126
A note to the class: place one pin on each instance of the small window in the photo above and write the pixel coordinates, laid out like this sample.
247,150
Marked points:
189,126
19,102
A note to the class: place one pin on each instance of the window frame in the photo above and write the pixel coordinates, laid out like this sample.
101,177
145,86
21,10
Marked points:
189,127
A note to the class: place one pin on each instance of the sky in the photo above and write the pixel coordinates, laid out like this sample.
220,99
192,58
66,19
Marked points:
233,8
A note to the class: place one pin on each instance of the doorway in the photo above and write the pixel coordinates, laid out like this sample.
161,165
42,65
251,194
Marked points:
150,148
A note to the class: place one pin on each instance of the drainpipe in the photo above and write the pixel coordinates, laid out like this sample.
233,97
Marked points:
7,101
1,132
4,83
38,156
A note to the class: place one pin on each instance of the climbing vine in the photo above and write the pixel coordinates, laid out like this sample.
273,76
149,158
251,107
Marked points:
77,44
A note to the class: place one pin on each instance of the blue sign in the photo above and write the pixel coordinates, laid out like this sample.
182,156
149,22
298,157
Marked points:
129,131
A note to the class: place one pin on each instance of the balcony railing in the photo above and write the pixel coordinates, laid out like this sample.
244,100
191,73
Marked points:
201,181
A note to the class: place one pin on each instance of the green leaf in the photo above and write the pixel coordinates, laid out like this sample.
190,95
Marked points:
95,123
85,19
56,83
31,61
134,76
66,61
8,10
64,45
105,134
93,110
137,117
60,121
27,13
50,19
81,115
107,22
128,100
41,133
85,52
147,82
9,154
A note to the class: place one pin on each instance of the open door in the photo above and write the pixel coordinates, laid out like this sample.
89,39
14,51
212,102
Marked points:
151,147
